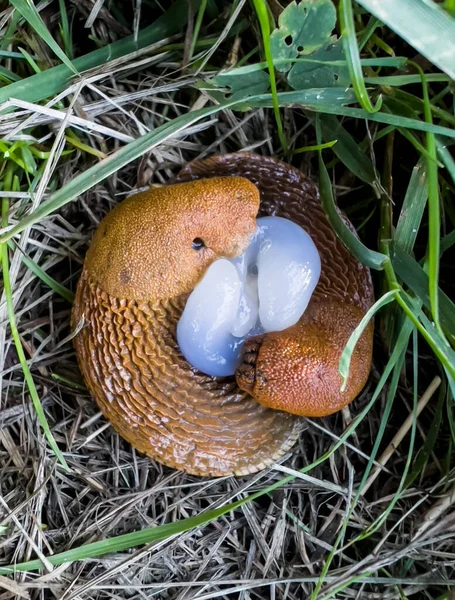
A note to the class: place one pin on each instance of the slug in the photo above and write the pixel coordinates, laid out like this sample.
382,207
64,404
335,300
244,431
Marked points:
146,258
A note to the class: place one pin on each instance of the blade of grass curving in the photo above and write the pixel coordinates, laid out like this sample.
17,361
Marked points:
261,9
346,355
15,333
314,148
51,82
351,49
57,287
348,150
412,274
434,225
28,10
438,344
423,24
412,210
340,108
370,258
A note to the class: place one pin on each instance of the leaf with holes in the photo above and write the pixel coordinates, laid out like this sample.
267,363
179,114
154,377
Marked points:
303,29
319,71
240,83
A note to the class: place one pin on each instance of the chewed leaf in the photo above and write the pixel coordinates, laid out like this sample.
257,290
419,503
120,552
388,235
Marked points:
318,71
240,85
302,29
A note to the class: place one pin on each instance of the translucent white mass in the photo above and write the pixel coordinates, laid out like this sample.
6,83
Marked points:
266,289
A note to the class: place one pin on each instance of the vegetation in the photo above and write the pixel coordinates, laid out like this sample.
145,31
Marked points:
100,99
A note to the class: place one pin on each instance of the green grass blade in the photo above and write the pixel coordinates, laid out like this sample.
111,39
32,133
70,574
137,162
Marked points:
400,80
51,82
351,49
339,108
412,275
261,9
65,30
8,75
16,337
28,10
345,358
412,210
370,258
434,224
438,344
423,24
393,366
348,150
57,287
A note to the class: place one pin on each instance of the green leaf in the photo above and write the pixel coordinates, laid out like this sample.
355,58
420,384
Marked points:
306,75
28,10
423,24
240,84
302,29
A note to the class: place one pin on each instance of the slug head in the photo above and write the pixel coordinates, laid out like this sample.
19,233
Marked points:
296,370
158,244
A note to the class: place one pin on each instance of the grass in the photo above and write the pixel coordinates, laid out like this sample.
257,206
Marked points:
363,505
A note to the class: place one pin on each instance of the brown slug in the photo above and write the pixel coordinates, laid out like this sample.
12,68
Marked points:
138,273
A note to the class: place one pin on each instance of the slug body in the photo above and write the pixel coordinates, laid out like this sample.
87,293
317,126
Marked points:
139,272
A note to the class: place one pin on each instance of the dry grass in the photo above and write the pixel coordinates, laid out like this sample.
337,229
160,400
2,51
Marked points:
273,547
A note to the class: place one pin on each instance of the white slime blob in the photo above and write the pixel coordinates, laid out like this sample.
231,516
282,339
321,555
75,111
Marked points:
266,289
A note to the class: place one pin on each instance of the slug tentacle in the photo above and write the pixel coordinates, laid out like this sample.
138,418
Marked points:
148,255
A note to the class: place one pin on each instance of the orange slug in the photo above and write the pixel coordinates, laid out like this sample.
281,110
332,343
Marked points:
138,274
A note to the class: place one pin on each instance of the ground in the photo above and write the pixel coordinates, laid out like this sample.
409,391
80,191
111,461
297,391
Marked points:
331,519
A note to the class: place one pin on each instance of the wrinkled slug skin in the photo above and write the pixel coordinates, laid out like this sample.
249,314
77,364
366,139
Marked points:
129,358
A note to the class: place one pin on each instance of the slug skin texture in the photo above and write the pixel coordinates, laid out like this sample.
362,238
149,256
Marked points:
138,274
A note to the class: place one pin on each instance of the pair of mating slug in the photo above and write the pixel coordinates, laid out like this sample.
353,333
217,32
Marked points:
140,270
